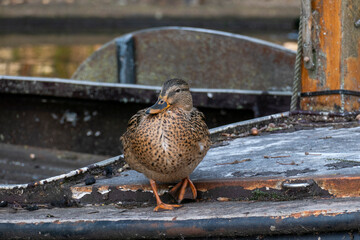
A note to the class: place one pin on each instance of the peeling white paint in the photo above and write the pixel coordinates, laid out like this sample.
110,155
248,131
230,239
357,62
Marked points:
79,194
104,190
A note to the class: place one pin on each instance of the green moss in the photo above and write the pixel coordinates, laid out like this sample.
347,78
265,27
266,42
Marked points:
258,195
341,160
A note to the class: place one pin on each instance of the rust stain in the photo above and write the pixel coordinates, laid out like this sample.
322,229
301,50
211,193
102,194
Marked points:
83,189
341,186
169,224
303,214
352,79
336,186
190,231
351,103
79,192
346,186
352,73
327,75
247,184
321,103
134,188
21,223
307,84
330,41
203,186
103,189
314,213
162,188
154,225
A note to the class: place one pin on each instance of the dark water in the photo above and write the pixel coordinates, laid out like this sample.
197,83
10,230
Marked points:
46,55
60,55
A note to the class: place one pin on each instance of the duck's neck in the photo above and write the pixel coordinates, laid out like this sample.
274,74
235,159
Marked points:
182,107
185,103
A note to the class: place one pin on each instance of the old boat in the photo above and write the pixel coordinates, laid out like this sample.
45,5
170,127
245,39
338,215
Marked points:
233,78
292,175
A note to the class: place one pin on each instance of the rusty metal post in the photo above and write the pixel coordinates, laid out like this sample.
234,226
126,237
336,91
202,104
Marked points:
331,56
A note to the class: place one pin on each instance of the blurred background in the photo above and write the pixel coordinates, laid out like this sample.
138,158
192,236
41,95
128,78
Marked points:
51,38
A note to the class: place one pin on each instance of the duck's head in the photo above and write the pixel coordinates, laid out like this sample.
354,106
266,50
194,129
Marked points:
174,93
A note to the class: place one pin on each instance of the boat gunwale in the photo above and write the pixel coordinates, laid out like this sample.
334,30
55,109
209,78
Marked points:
76,172
83,83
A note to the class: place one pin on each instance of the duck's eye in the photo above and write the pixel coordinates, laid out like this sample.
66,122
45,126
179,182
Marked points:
177,90
161,101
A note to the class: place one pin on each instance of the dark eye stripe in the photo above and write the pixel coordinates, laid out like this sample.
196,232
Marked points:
183,89
172,93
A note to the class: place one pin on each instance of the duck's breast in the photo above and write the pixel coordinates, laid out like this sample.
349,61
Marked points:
169,143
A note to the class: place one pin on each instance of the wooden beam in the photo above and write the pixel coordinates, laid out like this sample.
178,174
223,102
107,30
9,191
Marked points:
333,83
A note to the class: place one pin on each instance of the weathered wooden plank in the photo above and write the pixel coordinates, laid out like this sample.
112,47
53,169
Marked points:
333,84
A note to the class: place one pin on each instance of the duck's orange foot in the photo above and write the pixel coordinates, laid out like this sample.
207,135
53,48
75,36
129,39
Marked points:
163,207
179,191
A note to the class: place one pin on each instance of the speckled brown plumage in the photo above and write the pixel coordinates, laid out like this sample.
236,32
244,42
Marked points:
167,143
166,147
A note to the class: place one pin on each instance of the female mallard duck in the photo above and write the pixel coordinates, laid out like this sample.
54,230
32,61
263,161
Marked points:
168,140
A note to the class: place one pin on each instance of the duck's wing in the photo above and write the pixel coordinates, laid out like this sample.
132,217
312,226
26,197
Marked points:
198,121
134,121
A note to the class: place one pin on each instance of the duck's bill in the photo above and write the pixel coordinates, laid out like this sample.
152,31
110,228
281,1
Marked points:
158,107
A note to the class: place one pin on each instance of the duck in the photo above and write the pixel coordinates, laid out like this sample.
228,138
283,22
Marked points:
167,141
